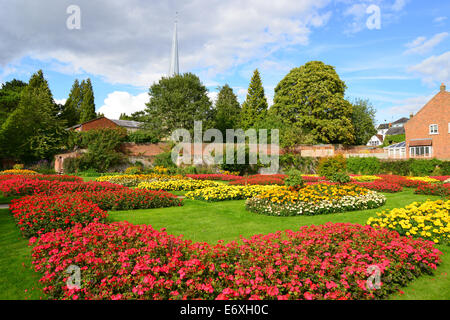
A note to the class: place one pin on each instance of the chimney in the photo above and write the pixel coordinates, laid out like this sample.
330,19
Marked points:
390,125
443,87
411,115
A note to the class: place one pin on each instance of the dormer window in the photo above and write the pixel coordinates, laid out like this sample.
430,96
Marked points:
434,129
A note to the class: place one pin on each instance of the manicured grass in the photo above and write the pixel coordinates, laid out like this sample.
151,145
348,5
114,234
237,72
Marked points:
6,200
227,220
16,274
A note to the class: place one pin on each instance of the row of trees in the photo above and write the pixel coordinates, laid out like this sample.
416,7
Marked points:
32,125
309,108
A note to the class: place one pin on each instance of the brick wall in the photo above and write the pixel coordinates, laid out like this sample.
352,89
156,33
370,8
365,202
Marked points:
437,111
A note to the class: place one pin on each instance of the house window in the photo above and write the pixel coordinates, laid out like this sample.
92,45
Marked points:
425,151
434,129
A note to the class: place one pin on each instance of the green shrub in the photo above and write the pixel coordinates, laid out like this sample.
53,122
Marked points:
330,165
445,168
370,165
419,167
399,167
164,160
141,136
296,161
339,177
294,179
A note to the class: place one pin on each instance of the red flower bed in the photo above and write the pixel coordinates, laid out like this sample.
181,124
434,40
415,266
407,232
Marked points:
441,178
434,189
22,186
125,261
380,185
273,179
131,199
222,177
36,215
402,181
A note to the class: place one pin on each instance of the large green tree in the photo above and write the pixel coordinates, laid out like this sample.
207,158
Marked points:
10,97
177,102
32,131
71,109
312,97
255,106
87,106
135,116
227,110
363,120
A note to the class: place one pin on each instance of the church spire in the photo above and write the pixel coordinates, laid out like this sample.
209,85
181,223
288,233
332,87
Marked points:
174,67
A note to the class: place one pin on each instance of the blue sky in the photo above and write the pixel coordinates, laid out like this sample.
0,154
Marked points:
125,46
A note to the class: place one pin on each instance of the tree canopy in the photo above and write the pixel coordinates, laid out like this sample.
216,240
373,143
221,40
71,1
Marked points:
363,120
87,106
32,130
227,110
177,102
312,97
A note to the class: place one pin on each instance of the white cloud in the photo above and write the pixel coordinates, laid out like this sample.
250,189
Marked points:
439,20
399,5
129,42
409,105
421,45
434,68
119,102
60,101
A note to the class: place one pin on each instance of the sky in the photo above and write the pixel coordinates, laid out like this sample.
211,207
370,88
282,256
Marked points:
396,53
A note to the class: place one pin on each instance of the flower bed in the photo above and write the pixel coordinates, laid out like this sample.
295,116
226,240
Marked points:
381,186
365,178
178,185
48,177
332,261
423,179
226,192
402,181
130,199
22,186
133,180
260,180
434,189
18,172
441,178
315,199
429,220
221,177
36,215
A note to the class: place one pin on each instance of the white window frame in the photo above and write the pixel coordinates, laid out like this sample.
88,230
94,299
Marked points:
427,152
433,126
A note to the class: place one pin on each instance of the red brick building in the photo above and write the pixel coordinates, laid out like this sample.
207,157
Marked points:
103,122
428,132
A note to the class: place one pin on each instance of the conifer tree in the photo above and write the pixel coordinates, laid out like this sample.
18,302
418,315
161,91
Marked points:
87,107
72,107
255,106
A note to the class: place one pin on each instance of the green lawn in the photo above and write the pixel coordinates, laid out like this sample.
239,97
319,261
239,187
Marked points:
210,222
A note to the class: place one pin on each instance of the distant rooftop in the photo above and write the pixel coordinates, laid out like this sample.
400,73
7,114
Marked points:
127,123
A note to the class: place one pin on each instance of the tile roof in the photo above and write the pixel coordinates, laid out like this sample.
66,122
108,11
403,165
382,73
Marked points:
395,130
127,123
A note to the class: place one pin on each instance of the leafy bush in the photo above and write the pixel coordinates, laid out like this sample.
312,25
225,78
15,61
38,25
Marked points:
399,167
294,179
419,167
330,165
296,161
330,262
164,160
133,170
339,177
369,165
141,136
